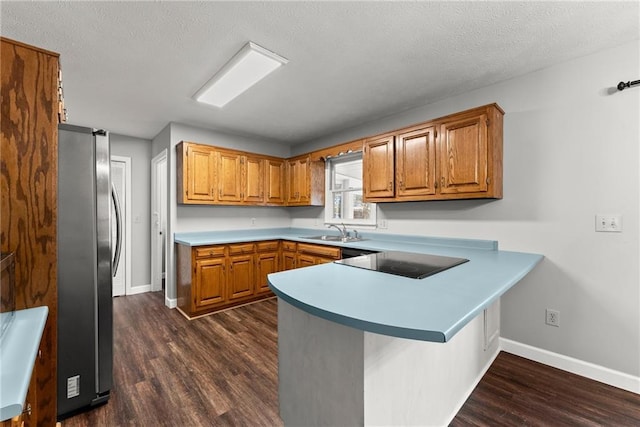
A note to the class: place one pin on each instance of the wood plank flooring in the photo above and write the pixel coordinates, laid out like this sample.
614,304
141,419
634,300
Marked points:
221,370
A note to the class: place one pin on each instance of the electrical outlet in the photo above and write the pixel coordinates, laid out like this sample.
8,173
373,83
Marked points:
552,317
382,224
253,222
609,223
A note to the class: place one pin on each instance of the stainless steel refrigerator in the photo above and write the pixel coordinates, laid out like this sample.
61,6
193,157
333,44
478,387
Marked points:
88,254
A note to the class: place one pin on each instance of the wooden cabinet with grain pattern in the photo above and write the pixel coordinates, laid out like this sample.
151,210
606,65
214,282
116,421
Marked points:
196,165
241,263
305,182
216,176
289,255
267,262
454,157
378,167
216,277
253,179
29,152
229,176
310,254
275,181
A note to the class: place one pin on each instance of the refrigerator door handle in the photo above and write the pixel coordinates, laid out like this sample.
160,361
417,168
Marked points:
116,205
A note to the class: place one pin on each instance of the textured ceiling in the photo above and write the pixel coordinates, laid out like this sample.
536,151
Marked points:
132,67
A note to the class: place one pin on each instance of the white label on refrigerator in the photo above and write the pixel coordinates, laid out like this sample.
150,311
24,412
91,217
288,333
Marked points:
73,386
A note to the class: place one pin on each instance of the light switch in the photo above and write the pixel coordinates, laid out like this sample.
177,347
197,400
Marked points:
609,223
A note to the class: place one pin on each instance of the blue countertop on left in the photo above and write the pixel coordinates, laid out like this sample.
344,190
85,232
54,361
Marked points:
18,351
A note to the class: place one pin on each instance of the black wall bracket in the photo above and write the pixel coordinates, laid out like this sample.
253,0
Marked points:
622,85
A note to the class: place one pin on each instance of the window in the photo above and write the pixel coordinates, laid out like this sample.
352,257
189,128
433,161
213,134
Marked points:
343,201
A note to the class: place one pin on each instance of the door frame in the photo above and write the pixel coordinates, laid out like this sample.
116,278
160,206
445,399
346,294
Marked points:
155,189
127,219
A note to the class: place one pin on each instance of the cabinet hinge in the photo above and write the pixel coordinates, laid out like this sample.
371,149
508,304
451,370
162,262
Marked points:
488,121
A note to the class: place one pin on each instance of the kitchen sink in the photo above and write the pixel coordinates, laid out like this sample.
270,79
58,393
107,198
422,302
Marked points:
334,238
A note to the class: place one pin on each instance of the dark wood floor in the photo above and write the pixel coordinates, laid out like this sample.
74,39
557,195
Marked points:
221,370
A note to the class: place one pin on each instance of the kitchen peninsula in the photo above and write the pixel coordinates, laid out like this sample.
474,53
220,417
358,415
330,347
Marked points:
360,347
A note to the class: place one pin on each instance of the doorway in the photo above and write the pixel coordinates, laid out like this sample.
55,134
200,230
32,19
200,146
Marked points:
158,221
121,184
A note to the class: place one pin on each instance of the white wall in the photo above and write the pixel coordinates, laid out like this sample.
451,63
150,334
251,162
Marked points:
570,151
139,150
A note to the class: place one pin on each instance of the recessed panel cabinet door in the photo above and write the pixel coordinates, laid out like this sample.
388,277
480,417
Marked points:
378,167
211,281
266,263
229,177
464,155
288,260
200,173
253,180
240,276
275,181
416,163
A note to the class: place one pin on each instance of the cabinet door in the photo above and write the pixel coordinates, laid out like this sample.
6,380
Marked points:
266,263
303,177
306,260
274,179
294,181
253,174
378,167
416,163
200,173
324,260
463,155
240,276
288,260
209,282
229,176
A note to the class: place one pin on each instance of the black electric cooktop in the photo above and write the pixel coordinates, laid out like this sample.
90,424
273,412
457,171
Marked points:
408,264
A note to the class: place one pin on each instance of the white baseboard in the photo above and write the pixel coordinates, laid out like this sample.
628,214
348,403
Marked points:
134,290
170,302
575,366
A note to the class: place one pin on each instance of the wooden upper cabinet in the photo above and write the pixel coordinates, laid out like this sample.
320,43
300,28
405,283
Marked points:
196,165
219,176
378,168
274,181
253,179
229,172
297,180
305,182
467,160
453,157
416,163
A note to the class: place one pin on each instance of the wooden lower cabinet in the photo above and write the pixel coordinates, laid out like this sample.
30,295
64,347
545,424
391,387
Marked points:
241,276
309,254
216,277
267,262
210,275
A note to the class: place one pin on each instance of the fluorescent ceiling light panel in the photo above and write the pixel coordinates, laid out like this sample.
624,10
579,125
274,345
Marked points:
250,65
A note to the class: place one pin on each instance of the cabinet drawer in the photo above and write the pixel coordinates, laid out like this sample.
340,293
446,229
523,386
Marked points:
241,248
323,251
209,251
267,246
288,246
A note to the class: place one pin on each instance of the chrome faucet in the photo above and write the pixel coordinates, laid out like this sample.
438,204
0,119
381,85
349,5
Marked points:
343,231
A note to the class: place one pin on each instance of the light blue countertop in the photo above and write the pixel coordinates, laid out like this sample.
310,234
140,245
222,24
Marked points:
430,309
18,350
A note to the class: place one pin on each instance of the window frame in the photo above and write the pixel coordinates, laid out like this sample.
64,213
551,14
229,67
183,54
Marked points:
330,192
